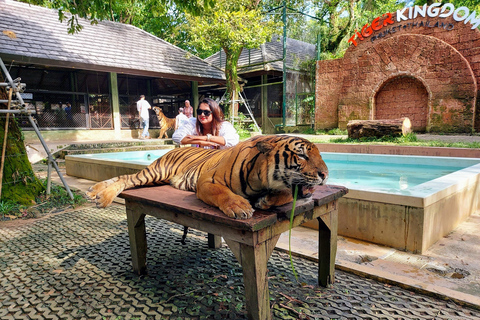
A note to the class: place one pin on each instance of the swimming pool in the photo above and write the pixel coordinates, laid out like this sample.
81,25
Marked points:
406,202
405,175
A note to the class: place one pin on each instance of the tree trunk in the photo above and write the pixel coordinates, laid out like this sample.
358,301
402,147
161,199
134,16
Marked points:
233,89
378,128
19,183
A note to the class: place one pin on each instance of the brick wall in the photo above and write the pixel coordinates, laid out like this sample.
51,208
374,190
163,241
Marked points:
429,74
403,97
327,92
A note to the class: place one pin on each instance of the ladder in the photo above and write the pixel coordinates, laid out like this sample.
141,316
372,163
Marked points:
244,101
18,87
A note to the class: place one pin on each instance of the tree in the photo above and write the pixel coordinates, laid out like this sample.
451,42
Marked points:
125,11
336,20
470,4
233,25
19,183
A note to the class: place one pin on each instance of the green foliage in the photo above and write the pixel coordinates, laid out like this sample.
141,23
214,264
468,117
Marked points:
336,20
242,127
58,200
470,4
331,132
218,22
308,131
126,11
233,25
337,132
8,207
411,137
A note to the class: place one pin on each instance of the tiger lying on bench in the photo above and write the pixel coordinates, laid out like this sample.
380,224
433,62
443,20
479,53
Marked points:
262,169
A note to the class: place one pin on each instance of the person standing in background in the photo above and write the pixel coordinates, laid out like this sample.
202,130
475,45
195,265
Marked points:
142,108
180,117
188,110
68,112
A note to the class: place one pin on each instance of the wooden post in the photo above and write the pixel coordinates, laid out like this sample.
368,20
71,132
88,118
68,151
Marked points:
5,139
255,275
327,247
138,240
214,241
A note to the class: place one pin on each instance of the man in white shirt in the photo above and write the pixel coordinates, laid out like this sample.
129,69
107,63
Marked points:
179,118
142,108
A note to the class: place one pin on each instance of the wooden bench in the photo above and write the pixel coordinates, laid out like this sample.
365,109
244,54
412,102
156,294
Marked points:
252,241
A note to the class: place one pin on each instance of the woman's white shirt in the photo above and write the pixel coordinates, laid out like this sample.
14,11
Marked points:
227,131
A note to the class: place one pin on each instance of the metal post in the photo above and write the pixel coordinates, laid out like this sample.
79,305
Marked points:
284,103
319,47
49,180
50,157
296,104
11,82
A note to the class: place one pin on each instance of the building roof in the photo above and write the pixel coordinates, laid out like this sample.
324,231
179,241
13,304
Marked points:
33,34
269,56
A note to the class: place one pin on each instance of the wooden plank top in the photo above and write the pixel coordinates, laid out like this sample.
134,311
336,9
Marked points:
186,203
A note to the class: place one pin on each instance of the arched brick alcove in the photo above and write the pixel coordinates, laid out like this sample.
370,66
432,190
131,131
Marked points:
443,70
403,96
444,61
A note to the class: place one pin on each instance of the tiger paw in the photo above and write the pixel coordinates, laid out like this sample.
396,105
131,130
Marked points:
262,203
94,190
105,197
274,199
238,208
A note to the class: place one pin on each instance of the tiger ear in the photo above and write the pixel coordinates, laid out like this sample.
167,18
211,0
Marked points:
264,146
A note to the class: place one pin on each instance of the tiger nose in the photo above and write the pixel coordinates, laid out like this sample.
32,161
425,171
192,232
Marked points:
323,175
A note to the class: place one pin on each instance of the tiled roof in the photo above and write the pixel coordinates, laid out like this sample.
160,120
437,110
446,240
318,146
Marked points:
269,56
106,46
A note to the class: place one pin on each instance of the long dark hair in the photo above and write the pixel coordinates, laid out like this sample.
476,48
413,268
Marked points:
217,114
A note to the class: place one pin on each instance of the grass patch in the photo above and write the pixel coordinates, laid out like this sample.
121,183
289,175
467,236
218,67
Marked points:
410,139
333,132
57,201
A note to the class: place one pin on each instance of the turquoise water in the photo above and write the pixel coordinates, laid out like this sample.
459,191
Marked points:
393,174
367,172
141,157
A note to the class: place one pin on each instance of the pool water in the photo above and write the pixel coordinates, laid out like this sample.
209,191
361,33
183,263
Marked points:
140,157
404,175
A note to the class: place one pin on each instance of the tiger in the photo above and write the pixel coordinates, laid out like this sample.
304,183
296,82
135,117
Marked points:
262,171
165,122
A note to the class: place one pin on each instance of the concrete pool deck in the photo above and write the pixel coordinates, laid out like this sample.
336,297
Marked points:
450,269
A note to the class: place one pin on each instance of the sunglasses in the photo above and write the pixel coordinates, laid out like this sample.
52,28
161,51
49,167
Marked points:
205,112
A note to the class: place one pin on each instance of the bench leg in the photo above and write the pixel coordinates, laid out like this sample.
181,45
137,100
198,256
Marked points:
138,241
255,277
327,247
214,241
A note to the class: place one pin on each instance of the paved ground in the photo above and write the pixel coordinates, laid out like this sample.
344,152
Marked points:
449,138
76,265
55,267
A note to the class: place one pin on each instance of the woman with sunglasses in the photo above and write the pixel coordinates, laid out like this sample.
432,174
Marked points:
207,129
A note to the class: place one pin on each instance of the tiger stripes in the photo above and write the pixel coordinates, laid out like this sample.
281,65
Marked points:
262,170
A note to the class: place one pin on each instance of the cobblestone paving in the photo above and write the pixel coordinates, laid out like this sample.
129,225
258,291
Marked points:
76,265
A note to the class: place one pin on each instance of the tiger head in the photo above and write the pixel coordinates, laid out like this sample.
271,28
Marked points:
293,161
158,111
